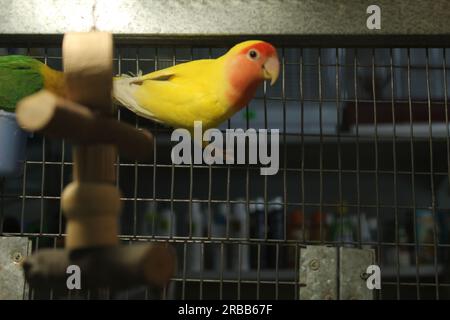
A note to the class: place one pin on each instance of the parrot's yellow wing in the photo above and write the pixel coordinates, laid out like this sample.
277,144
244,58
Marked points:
176,96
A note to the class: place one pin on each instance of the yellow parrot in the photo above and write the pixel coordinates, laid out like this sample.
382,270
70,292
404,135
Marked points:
208,90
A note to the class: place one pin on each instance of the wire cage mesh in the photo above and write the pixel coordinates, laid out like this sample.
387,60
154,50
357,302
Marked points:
364,147
364,158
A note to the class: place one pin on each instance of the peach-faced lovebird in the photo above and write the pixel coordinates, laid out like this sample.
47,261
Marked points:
209,90
21,76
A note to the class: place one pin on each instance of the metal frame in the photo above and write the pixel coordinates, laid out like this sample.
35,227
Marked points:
304,22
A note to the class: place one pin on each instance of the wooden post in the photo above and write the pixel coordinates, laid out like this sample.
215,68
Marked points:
91,202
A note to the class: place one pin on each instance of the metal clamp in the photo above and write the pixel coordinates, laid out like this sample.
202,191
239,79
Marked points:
327,273
13,251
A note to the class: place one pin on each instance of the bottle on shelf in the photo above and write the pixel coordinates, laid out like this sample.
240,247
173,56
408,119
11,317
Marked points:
240,229
425,235
318,226
404,254
166,222
258,232
150,218
276,232
365,234
194,256
343,231
296,230
218,230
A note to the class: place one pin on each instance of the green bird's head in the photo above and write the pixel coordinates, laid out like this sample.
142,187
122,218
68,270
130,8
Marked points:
21,76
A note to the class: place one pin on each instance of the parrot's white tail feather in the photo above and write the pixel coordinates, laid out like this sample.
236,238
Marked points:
132,74
124,93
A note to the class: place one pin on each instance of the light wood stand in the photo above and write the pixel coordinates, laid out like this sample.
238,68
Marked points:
91,202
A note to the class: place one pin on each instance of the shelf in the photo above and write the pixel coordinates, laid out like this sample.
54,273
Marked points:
416,130
252,275
424,270
290,275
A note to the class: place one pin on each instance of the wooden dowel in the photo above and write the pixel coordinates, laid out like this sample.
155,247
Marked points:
60,118
116,267
92,211
91,222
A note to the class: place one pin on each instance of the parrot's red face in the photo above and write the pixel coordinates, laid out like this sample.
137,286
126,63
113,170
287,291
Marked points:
249,64
261,61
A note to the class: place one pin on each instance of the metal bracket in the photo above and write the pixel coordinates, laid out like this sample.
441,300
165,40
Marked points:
13,251
330,273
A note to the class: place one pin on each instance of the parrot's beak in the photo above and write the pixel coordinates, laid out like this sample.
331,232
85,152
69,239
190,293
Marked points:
271,69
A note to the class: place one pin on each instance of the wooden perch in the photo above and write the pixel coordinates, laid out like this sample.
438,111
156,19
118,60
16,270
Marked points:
115,267
56,117
88,69
91,202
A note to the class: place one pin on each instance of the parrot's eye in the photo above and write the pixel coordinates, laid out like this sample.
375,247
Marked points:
253,54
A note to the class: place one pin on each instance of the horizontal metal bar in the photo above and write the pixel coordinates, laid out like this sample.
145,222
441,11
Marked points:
387,283
300,22
250,241
218,201
287,169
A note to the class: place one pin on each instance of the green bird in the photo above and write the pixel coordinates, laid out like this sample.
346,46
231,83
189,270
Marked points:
21,76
